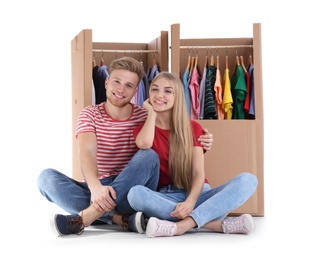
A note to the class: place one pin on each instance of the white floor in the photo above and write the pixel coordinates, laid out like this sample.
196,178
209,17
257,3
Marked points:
30,237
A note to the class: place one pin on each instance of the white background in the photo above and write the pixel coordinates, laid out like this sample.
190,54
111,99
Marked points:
35,105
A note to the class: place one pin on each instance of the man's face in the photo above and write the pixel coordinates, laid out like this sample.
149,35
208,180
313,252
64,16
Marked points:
121,86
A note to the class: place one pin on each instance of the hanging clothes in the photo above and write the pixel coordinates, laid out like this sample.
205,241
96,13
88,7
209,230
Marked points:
143,88
227,96
194,87
202,89
247,98
210,107
239,92
103,71
146,85
185,80
99,85
251,114
218,95
93,94
141,93
152,72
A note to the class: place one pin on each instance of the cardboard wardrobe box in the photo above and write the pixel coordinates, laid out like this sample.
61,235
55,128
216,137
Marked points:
238,144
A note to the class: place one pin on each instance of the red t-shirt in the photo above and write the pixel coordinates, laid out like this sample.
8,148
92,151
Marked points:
161,147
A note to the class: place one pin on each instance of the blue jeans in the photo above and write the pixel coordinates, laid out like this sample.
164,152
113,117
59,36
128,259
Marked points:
74,196
213,203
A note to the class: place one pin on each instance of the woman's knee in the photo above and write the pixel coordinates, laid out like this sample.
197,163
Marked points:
135,196
248,178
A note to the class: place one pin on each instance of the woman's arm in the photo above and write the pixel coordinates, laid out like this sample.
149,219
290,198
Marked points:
144,139
183,209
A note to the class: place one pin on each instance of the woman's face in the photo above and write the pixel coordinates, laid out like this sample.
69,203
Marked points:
162,95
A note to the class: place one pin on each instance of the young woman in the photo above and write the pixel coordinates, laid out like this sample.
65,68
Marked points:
184,199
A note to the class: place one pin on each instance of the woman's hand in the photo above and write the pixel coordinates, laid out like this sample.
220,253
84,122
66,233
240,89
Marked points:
147,105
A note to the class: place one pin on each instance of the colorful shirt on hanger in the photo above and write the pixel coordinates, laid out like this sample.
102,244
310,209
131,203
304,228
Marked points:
99,85
239,92
141,93
202,93
185,79
247,98
227,96
194,94
210,107
218,95
152,72
251,114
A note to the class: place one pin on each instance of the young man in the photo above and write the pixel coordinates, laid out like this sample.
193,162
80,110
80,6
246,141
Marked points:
110,161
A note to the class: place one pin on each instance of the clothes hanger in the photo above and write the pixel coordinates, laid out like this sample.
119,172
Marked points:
250,60
242,62
206,59
141,61
102,62
196,59
154,61
217,60
188,60
237,62
212,59
192,62
250,57
237,59
227,65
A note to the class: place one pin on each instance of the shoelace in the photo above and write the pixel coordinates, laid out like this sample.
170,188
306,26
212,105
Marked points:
77,225
234,224
165,228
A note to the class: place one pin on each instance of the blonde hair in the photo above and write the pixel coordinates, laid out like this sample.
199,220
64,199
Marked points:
181,135
127,63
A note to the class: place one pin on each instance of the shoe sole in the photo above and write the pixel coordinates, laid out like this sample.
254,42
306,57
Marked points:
53,226
138,222
150,228
250,223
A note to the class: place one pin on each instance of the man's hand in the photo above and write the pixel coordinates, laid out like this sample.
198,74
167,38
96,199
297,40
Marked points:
103,198
206,140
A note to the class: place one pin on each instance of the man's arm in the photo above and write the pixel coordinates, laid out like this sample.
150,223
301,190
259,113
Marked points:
101,196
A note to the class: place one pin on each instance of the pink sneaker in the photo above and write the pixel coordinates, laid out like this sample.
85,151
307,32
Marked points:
160,228
238,225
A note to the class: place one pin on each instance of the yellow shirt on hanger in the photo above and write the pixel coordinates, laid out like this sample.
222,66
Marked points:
227,95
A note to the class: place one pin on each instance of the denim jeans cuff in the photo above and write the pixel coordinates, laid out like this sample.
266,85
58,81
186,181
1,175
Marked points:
109,217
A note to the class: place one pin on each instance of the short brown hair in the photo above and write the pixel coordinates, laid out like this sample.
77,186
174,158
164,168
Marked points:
127,63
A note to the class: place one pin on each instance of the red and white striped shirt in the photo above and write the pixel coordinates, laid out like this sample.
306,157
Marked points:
115,142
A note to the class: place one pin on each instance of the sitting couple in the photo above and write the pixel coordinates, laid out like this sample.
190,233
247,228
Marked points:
143,168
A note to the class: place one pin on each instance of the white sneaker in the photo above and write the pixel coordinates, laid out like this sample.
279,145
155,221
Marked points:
160,228
238,225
